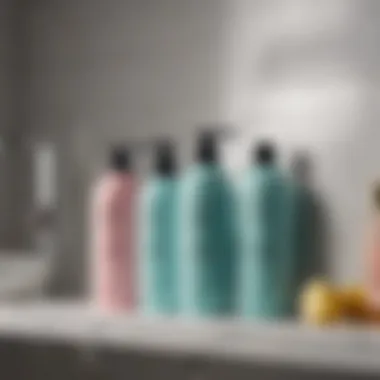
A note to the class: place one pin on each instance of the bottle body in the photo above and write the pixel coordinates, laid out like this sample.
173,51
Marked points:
207,242
113,242
373,263
159,246
307,230
267,260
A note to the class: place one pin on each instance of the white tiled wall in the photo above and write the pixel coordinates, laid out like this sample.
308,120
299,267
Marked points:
109,70
301,71
304,72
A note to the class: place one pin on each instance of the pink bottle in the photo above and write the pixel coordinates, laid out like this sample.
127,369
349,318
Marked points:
373,258
113,235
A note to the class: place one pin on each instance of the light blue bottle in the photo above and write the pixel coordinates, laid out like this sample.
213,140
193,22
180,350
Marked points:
159,235
268,255
208,261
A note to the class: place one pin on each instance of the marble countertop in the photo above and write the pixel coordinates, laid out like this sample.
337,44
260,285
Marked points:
344,347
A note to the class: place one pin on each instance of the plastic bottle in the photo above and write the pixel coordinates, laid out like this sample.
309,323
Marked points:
267,250
113,232
207,234
159,234
373,255
310,239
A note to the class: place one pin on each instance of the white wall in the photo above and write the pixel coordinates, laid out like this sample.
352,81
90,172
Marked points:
4,62
116,69
305,73
301,71
4,104
13,178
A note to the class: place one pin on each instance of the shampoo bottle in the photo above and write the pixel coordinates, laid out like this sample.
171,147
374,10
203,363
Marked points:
159,234
207,234
267,251
309,228
112,234
373,255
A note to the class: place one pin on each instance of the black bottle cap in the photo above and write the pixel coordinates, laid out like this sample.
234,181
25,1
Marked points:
264,153
376,194
207,144
207,150
120,158
165,162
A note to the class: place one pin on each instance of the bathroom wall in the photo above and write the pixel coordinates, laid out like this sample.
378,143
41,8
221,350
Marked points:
13,126
4,101
4,62
303,72
116,69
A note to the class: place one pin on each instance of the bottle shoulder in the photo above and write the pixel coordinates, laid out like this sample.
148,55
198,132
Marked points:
157,189
206,189
262,177
199,174
111,188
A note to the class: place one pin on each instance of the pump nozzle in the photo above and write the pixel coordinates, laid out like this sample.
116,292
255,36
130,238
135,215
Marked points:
264,153
165,162
120,158
121,155
207,141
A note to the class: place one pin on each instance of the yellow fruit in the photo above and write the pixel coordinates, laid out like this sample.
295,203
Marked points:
355,304
320,304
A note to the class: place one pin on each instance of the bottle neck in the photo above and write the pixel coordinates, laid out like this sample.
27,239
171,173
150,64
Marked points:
207,152
165,175
376,199
120,172
207,164
165,167
265,166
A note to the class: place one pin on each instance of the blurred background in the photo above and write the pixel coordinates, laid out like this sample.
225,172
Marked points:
78,74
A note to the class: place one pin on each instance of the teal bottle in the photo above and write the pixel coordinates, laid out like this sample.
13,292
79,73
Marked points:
267,239
159,235
309,231
208,238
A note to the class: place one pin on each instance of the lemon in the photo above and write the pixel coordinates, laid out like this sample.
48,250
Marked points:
355,303
320,303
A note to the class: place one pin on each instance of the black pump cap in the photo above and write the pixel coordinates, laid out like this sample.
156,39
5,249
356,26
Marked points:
207,145
264,153
165,162
120,158
207,150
